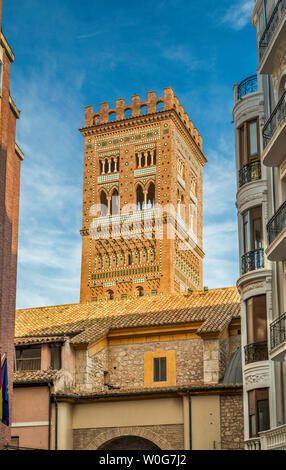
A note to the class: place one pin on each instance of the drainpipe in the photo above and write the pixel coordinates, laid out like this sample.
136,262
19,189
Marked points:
50,415
56,423
274,210
190,419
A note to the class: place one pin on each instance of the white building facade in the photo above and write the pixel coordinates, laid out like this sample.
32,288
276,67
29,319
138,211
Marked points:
260,141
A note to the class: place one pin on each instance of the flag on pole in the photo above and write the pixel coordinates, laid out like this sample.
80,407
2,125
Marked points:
5,398
0,388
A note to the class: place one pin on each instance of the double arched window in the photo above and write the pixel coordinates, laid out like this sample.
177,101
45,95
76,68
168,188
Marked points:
145,198
109,204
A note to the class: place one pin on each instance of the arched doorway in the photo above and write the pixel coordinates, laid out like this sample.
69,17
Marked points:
129,443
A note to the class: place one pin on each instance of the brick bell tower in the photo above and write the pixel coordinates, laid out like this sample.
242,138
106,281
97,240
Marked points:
142,200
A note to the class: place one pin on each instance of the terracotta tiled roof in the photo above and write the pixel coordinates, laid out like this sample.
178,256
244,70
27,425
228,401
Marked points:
35,376
85,321
194,387
39,339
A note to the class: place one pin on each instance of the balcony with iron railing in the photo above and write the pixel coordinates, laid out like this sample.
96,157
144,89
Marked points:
276,230
278,338
274,135
272,37
248,85
252,260
250,172
256,352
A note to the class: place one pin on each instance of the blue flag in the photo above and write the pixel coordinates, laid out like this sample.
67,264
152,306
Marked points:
5,398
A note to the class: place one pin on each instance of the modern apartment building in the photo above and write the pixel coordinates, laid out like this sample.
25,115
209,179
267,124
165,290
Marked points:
260,137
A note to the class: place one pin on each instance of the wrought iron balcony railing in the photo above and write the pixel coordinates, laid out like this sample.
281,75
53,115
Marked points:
277,223
249,85
278,331
256,352
273,122
271,27
250,172
252,260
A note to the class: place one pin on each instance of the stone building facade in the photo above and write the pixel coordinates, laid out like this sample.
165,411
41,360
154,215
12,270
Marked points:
10,163
143,373
259,117
142,199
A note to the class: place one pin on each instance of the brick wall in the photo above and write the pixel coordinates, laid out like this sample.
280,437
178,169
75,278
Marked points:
231,421
172,141
9,212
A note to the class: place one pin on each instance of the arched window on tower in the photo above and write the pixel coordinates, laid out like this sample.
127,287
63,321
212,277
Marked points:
139,291
160,106
139,197
110,294
112,117
114,202
151,196
103,203
129,258
144,109
128,113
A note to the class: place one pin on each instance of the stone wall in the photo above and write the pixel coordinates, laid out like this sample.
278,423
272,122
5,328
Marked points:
123,365
231,422
169,437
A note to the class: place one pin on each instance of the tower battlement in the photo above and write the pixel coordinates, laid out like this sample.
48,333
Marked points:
137,108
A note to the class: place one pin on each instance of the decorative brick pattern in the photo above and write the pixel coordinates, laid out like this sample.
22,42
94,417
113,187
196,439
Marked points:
167,134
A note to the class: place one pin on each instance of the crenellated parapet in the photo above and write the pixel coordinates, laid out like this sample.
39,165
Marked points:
137,108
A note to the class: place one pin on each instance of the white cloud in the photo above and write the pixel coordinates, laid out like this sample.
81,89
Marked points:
238,14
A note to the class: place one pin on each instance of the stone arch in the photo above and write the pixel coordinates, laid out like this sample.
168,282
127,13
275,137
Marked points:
137,431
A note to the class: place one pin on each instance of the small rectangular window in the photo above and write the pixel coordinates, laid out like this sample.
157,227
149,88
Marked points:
160,369
15,442
28,358
55,357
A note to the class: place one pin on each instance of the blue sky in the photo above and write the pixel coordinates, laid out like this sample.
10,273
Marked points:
70,54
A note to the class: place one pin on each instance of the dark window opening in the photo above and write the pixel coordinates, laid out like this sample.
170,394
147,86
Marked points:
139,198
56,357
160,369
28,358
104,204
258,408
